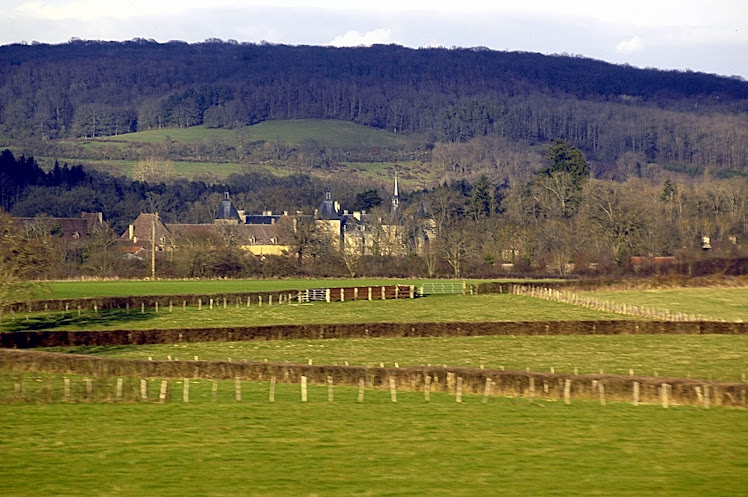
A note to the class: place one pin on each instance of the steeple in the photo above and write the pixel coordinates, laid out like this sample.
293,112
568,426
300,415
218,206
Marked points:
227,214
395,196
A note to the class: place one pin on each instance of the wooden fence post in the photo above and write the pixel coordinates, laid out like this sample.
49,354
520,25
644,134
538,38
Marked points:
361,384
427,388
567,392
329,388
664,391
303,389
601,389
272,389
89,389
238,389
163,392
458,392
186,391
66,382
487,390
214,391
636,393
531,390
393,388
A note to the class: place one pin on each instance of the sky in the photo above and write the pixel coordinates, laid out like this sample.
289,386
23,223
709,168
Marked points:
700,35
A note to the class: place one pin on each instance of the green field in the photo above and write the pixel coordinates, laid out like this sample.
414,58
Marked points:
505,447
122,288
429,309
292,132
718,303
717,357
73,289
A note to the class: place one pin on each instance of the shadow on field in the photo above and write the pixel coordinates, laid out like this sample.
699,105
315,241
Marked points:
84,321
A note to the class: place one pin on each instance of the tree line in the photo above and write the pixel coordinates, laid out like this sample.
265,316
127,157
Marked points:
557,219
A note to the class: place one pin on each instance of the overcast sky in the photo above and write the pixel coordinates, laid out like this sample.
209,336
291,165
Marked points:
701,35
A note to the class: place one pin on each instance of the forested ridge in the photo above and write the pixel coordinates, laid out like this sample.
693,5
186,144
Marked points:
95,88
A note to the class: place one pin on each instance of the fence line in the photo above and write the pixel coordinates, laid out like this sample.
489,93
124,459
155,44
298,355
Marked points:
647,312
465,381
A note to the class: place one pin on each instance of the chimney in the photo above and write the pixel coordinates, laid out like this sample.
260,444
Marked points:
130,232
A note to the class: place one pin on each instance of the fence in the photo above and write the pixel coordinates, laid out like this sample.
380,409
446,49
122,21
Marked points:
606,306
164,302
107,386
443,288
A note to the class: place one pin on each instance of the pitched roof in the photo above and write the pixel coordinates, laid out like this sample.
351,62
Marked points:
227,210
142,230
244,234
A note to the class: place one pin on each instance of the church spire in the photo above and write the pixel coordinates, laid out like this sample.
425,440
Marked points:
395,196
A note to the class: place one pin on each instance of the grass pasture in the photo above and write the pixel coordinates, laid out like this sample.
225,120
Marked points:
718,303
121,288
507,447
292,132
378,448
715,357
436,308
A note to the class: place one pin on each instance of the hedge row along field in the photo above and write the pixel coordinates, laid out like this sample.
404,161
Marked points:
469,380
32,339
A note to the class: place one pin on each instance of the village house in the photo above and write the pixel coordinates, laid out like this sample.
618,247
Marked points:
73,230
263,234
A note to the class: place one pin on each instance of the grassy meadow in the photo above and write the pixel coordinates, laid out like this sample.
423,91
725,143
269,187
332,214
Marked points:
715,357
507,446
291,132
435,308
122,288
378,448
718,303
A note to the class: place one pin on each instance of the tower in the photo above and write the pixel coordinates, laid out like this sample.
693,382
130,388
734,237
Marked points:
395,197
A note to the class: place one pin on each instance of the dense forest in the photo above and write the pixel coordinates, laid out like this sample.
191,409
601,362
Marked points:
684,120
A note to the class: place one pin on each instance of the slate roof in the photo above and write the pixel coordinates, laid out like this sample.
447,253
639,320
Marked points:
244,234
227,210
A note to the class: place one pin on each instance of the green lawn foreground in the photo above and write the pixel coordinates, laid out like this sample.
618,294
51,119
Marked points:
505,447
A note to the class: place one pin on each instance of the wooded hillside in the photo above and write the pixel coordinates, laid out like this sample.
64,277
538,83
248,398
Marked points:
91,88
